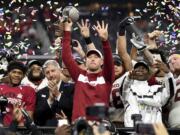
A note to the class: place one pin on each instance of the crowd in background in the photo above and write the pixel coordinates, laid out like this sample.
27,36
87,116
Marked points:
139,81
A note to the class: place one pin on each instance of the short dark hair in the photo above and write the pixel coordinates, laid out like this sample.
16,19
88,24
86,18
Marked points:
32,62
16,65
142,63
117,60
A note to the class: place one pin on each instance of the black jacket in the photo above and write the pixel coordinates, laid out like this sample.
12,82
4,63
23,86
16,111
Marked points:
44,115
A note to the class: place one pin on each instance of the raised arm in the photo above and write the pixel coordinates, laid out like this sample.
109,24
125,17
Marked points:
108,66
140,45
67,58
122,45
133,53
85,32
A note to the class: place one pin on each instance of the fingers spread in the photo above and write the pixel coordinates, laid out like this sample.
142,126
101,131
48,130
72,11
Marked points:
106,27
98,25
103,24
82,22
87,23
79,25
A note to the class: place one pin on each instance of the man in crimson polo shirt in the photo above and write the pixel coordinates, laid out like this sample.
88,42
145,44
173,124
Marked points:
17,95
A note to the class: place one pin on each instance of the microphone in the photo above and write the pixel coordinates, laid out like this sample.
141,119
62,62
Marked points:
29,122
25,113
3,101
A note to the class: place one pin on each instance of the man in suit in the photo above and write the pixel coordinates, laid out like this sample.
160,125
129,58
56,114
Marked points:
55,99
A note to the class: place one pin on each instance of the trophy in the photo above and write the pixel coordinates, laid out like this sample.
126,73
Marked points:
70,12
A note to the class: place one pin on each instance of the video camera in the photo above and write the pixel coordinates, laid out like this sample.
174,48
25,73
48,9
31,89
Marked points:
82,127
144,128
140,127
97,114
3,101
74,43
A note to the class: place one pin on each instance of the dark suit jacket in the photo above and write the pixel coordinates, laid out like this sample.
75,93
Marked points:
44,115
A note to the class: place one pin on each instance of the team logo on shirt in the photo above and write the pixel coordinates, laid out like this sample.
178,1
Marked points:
19,96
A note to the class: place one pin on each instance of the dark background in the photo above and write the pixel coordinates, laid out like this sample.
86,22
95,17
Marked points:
112,11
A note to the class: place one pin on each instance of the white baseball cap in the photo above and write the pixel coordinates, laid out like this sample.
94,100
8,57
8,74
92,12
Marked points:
94,51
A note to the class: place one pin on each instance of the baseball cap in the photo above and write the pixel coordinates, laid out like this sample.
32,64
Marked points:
94,51
16,65
117,59
141,63
32,62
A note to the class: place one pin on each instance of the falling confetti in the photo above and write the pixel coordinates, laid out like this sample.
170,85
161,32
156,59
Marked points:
165,15
17,16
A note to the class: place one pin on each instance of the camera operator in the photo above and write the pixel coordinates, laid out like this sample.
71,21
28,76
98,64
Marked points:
95,123
66,130
87,127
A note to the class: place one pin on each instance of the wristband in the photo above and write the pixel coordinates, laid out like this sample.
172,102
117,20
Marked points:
121,31
88,40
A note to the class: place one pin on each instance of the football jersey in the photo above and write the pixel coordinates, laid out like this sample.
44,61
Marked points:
174,119
140,98
21,95
116,110
115,98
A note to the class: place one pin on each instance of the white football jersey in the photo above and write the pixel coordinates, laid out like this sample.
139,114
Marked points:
174,119
140,98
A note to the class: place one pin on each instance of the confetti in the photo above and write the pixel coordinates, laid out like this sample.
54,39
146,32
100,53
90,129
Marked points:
163,3
55,3
77,4
92,14
76,28
164,15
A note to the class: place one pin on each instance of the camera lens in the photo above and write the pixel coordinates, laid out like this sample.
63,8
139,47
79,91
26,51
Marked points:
74,44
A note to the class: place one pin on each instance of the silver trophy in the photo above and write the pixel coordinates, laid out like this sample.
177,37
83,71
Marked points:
70,12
